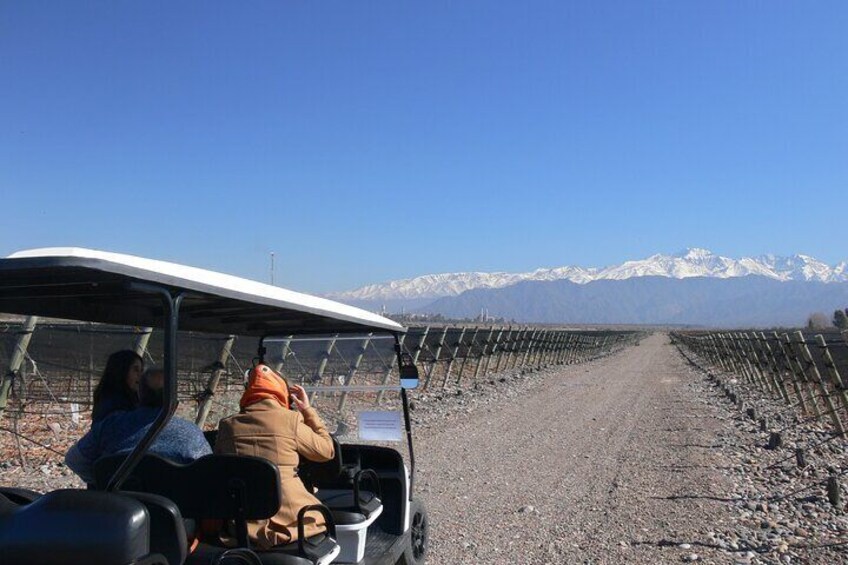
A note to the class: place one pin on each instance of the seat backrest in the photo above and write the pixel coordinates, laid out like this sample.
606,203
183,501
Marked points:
214,486
76,526
167,527
19,495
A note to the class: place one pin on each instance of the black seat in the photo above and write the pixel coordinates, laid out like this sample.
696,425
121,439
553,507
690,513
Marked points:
211,437
19,495
7,506
350,503
225,487
167,527
76,526
339,482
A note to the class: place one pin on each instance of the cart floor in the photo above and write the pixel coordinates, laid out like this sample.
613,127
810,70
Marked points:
381,546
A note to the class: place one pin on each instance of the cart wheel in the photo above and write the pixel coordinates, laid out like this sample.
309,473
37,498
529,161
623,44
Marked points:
419,535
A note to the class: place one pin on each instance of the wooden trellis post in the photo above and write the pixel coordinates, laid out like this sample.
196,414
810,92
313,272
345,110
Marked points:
214,378
468,352
773,367
736,359
833,373
285,349
579,351
571,354
716,346
753,362
354,366
439,344
322,365
553,349
141,341
812,373
541,359
563,352
495,347
16,360
528,347
539,346
798,374
452,359
485,354
513,345
760,362
562,339
420,345
788,372
525,347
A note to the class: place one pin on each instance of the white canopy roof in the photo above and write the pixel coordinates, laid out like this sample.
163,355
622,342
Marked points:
86,284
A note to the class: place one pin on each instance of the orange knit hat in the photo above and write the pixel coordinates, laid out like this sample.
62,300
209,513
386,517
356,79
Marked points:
264,383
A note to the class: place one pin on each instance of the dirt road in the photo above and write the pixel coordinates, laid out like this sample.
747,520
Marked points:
607,462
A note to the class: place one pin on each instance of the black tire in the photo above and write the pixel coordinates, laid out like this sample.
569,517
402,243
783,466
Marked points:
419,535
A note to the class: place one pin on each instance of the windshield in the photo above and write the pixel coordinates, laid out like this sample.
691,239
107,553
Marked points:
352,382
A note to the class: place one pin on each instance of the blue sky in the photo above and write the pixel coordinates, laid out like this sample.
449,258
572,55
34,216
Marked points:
367,141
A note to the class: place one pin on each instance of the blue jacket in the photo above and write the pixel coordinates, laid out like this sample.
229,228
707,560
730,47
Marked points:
180,441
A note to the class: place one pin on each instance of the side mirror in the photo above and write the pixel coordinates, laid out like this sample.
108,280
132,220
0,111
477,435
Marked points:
408,372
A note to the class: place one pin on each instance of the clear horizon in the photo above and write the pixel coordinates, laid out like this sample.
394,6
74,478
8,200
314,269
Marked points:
364,144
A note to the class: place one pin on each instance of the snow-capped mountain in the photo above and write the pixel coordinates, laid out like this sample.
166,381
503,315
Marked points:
689,263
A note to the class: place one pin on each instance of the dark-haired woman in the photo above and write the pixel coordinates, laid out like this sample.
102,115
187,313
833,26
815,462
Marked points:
118,387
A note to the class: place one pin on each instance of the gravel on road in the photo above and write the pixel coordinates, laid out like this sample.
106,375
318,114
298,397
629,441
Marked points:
613,461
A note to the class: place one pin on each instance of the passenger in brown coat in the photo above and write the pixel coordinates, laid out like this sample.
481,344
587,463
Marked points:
267,428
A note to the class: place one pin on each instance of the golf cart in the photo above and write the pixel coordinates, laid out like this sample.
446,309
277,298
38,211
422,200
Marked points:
143,509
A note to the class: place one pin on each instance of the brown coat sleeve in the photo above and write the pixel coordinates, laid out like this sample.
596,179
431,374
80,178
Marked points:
313,440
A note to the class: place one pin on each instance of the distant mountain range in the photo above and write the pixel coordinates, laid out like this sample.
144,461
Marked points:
736,302
695,286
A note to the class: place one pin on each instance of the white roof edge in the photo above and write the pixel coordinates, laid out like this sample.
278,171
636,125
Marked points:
220,280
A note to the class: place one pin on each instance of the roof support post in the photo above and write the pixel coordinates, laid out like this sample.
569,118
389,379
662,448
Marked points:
171,305
399,346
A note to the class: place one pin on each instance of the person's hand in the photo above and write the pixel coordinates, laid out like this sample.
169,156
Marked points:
299,397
